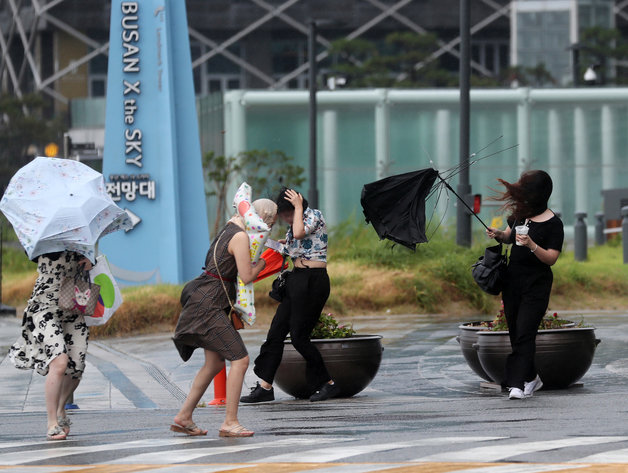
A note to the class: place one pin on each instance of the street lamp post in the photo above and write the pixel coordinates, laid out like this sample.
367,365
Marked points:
313,190
463,218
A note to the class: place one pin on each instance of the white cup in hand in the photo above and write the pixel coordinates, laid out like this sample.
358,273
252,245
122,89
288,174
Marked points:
521,230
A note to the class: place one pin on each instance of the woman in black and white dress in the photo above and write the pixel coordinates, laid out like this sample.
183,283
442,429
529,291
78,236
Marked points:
53,341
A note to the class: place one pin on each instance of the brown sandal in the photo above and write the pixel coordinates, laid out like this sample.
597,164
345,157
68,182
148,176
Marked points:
191,430
238,431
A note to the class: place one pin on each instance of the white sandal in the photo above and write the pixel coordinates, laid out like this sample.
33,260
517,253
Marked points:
56,433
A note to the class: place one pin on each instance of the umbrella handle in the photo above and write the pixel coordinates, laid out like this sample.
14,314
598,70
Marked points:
461,200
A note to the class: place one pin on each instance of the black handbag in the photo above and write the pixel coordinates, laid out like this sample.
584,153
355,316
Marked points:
489,271
278,289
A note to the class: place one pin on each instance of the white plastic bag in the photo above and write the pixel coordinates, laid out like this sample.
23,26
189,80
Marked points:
110,298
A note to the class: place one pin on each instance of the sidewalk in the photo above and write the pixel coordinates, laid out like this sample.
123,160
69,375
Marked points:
425,405
421,357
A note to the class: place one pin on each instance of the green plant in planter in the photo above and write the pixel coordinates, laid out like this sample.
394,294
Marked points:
549,321
328,327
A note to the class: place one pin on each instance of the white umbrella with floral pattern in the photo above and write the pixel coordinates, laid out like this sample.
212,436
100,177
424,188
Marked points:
60,204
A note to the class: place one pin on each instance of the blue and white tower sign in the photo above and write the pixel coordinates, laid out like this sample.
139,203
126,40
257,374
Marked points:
152,157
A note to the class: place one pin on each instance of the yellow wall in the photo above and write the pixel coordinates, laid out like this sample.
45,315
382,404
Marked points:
74,84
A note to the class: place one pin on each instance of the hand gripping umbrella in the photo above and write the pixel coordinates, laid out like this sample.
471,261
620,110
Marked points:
60,204
395,205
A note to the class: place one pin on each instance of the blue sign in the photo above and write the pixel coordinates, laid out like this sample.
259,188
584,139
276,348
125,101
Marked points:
152,156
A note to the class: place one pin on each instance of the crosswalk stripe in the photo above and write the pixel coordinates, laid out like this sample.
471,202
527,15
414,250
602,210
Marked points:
614,456
359,468
40,469
16,458
499,452
189,454
7,445
335,453
523,468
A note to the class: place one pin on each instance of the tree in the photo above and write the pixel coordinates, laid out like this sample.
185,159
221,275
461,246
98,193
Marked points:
268,171
391,63
22,131
599,45
218,172
265,171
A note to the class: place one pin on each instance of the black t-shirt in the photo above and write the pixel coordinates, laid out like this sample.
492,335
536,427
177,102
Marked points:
548,235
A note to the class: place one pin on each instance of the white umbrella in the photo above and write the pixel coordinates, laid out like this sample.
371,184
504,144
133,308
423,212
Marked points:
60,204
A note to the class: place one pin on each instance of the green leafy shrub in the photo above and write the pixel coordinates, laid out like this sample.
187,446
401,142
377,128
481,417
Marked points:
328,327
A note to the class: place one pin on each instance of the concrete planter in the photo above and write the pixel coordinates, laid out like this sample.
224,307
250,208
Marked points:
352,362
467,338
563,355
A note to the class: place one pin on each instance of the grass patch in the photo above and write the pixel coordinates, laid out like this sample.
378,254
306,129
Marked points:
370,276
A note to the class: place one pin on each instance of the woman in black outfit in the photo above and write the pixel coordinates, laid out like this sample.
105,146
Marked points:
529,277
307,290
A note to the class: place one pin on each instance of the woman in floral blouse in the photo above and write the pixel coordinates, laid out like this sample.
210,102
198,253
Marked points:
307,290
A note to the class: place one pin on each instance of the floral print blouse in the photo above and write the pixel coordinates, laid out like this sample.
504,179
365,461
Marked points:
313,246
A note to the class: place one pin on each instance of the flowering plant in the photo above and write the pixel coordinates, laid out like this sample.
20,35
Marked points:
328,327
549,321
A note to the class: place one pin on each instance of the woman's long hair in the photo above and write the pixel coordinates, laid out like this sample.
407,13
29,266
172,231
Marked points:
528,196
284,205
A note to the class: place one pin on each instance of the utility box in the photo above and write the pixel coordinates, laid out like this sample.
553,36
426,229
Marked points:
614,200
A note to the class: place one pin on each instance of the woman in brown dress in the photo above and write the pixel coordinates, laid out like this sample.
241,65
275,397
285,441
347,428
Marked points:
204,321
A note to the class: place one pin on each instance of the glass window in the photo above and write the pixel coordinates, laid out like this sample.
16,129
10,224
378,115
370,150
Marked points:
219,64
288,54
215,85
98,87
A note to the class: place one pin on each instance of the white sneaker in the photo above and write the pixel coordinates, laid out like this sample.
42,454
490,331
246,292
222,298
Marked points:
516,393
531,387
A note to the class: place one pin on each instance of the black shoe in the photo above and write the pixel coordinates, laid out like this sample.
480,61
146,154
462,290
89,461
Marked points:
326,392
259,394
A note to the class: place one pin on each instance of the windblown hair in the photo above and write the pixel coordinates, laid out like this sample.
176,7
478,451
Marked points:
285,206
528,196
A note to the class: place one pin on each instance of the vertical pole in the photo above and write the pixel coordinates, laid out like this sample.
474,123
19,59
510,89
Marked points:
220,389
313,191
600,238
463,219
1,248
624,232
580,237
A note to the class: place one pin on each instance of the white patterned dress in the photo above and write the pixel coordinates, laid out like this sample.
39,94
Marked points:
47,330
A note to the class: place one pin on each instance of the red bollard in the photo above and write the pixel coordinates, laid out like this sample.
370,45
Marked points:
220,388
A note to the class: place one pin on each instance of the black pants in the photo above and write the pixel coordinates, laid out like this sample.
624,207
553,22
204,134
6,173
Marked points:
307,291
526,296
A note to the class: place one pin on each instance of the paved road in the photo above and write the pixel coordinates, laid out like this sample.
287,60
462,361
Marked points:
425,411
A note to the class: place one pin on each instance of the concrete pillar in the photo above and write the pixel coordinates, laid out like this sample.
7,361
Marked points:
523,132
555,158
330,167
382,136
235,123
609,154
581,146
443,150
580,237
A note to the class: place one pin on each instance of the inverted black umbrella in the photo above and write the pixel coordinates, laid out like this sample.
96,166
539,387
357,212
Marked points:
395,205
